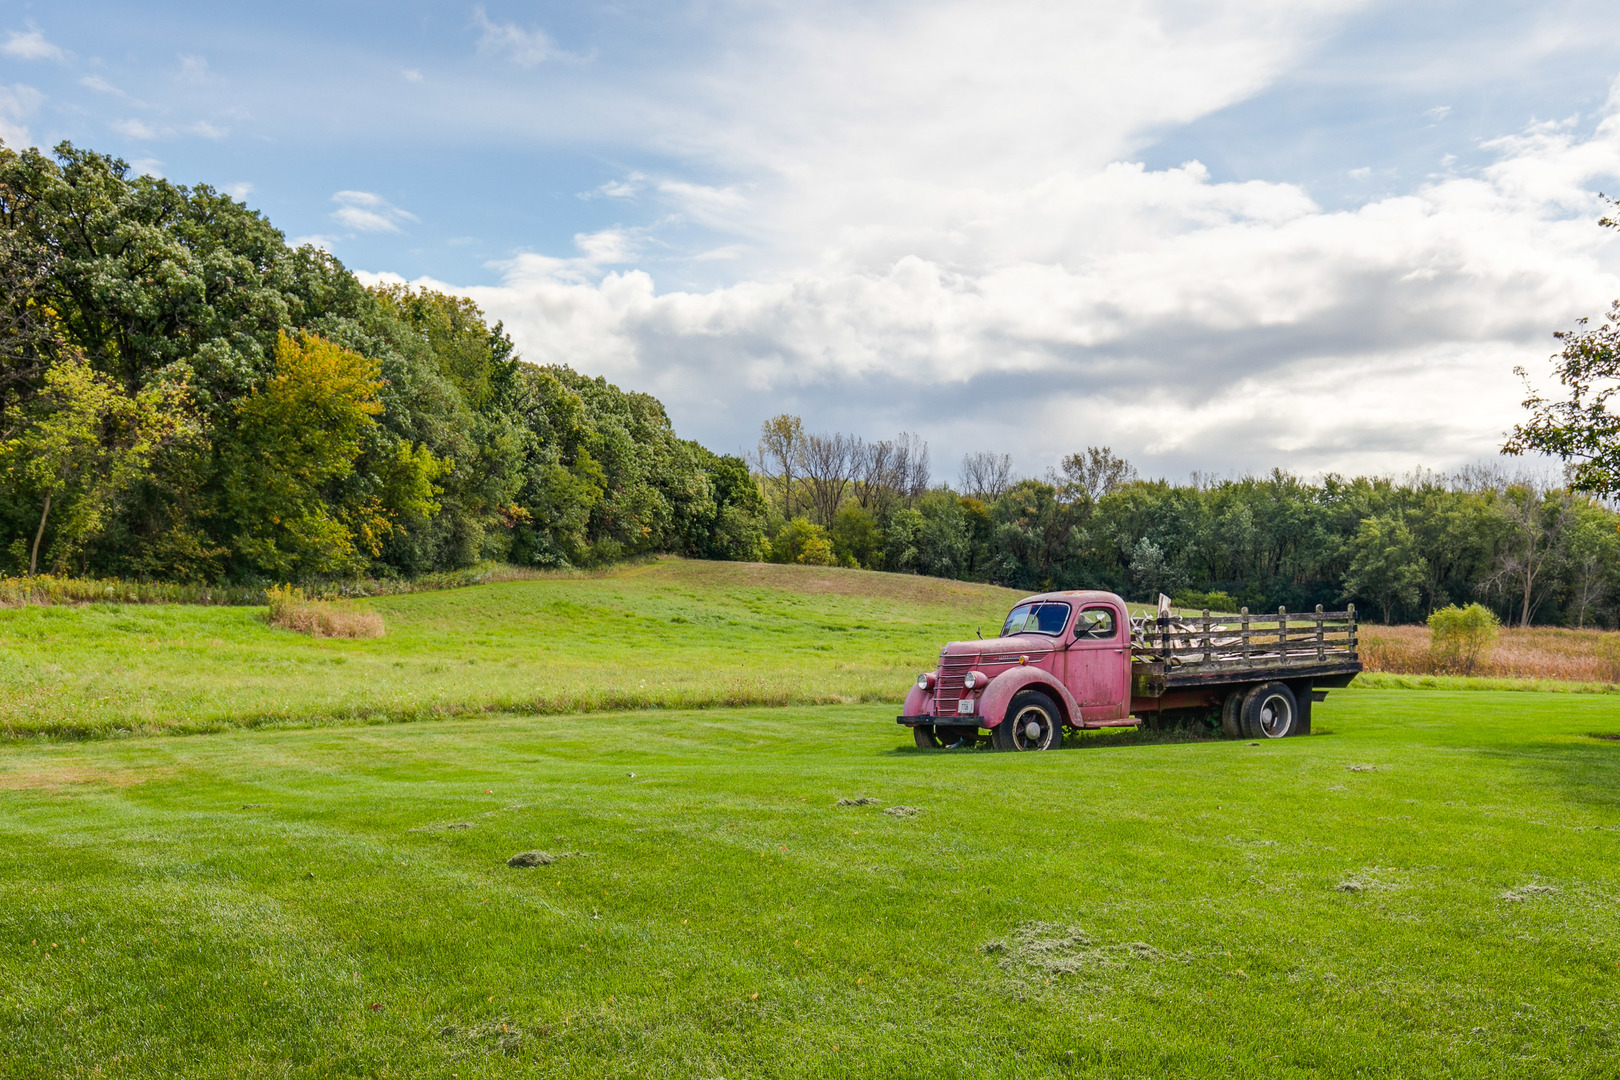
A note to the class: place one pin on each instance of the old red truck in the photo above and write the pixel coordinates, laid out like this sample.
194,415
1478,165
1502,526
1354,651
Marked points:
1078,660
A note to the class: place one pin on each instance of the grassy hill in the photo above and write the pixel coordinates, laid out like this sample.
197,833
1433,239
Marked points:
667,634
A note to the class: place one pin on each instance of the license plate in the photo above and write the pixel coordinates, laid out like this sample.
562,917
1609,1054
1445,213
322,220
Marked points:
965,707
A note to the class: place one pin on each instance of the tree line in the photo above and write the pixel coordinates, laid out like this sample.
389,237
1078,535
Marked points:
186,397
1399,549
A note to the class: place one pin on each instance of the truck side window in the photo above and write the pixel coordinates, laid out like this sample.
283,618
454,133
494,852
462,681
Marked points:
1096,624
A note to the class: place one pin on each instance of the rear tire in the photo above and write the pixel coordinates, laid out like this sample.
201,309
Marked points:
1032,723
1270,711
1230,708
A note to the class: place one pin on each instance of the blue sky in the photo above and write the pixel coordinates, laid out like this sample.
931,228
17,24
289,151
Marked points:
1217,238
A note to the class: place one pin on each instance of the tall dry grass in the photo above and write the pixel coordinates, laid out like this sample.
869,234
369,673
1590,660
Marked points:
1536,653
290,609
43,590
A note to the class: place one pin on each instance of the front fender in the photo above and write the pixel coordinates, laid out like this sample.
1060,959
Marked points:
999,694
919,702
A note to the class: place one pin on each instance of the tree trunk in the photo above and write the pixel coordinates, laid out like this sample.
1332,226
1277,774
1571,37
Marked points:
33,558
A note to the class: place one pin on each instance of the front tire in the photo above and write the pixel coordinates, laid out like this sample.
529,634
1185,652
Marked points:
1032,723
1270,711
944,736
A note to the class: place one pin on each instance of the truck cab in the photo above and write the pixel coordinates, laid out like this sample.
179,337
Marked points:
1070,649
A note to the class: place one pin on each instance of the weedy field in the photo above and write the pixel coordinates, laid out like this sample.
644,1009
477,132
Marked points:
1429,886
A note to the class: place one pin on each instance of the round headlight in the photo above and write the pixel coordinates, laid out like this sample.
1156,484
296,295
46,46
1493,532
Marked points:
969,680
922,681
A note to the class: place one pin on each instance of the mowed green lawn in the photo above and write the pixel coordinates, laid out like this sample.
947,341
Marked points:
670,634
1427,887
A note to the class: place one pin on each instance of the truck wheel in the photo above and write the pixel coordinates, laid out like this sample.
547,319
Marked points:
1230,708
1269,711
930,737
1032,723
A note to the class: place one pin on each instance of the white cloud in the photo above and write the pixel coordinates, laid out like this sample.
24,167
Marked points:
194,69
411,75
17,104
206,130
238,191
135,129
933,220
147,167
1438,113
364,211
524,47
29,45
1204,322
319,240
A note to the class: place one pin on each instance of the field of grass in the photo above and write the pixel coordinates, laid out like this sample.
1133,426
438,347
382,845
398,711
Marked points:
667,634
1428,887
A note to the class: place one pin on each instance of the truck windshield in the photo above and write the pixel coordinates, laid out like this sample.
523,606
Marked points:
1037,618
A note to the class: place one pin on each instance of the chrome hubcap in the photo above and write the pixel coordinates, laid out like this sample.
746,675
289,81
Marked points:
1032,729
1276,717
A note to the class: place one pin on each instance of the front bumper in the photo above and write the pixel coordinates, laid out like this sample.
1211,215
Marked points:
942,721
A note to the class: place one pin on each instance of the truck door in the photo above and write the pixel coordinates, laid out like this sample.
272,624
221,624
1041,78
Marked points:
1097,667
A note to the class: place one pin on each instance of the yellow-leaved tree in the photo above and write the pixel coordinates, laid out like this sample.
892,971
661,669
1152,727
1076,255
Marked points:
299,510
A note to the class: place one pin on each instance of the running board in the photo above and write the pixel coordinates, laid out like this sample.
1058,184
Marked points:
1129,721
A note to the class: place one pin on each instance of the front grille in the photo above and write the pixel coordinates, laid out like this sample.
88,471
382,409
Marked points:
948,688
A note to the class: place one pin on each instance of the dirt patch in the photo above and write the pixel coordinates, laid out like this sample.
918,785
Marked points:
1371,879
864,800
1051,950
526,859
442,826
902,811
1362,768
495,1036
1611,736
1519,894
76,773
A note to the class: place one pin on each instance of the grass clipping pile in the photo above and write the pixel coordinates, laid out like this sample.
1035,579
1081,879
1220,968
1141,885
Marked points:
1039,952
290,609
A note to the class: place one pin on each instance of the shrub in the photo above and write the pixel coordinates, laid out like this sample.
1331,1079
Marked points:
795,539
817,551
1205,601
1458,637
290,609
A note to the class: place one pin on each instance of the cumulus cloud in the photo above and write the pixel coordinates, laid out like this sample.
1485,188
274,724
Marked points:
29,44
525,47
935,220
364,211
17,104
194,70
135,129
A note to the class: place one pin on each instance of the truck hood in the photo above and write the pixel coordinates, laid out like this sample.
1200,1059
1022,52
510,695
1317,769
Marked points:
1005,650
